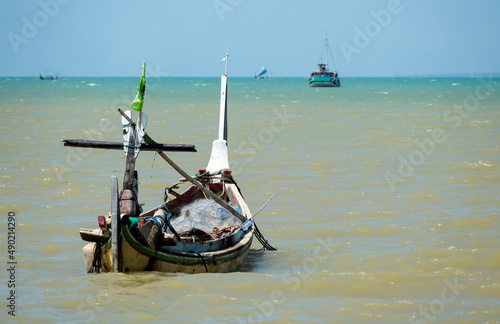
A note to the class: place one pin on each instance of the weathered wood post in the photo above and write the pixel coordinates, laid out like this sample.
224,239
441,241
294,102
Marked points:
128,178
115,225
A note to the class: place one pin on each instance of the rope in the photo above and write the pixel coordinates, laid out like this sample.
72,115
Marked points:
169,215
262,240
97,261
201,256
152,164
154,220
256,233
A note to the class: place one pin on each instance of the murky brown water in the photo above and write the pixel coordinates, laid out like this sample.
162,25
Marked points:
386,206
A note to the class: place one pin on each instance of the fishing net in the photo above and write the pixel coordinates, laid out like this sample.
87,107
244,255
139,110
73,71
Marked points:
203,214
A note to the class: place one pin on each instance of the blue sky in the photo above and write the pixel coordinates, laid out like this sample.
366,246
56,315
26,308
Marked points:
189,38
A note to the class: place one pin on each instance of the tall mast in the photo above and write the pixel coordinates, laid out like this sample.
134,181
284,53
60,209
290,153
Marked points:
218,159
227,54
223,105
326,48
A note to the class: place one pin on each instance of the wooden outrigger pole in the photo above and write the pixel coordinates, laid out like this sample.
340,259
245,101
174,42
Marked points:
119,145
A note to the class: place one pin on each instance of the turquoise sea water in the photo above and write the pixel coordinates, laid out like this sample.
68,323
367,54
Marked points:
386,199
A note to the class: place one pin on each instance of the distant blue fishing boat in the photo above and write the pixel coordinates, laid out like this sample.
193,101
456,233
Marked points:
262,73
323,77
49,77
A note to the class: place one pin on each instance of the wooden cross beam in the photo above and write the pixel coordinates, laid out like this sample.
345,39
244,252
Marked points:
119,146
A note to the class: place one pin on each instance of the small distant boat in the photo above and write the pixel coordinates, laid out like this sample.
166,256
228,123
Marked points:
262,73
49,77
323,77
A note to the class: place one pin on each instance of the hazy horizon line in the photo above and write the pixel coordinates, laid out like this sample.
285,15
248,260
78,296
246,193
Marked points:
441,75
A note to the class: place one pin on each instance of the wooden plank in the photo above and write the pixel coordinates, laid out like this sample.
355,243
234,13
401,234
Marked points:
119,146
94,235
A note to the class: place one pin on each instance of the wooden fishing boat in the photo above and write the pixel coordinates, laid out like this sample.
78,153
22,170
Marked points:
206,228
48,76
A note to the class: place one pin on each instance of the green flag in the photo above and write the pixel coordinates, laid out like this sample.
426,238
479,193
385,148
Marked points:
141,88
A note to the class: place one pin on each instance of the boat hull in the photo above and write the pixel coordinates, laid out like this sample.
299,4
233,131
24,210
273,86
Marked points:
222,254
137,257
323,82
